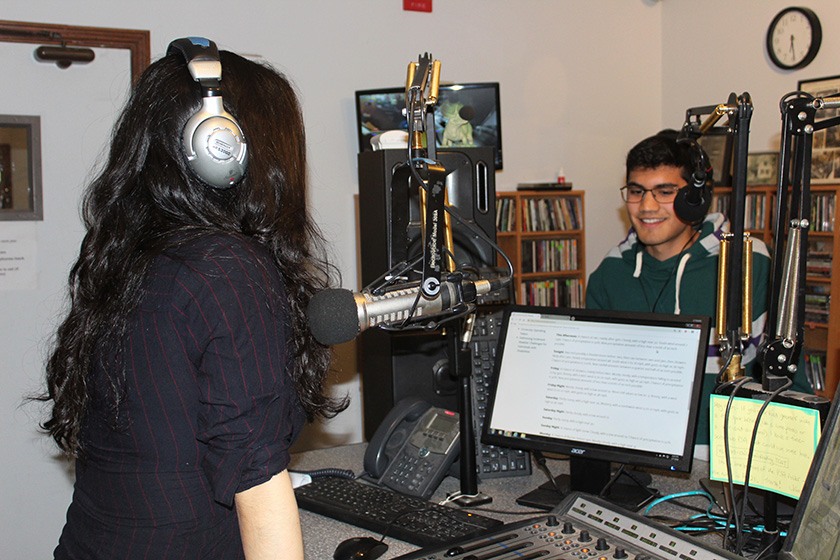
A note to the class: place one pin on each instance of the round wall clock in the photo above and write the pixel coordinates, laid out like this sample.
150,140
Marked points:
794,37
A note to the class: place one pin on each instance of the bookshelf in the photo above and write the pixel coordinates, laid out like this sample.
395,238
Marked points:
542,233
821,346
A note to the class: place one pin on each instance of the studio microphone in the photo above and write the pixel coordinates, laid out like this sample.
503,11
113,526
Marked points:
338,315
693,200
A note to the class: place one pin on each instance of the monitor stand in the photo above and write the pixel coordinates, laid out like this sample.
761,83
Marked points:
629,491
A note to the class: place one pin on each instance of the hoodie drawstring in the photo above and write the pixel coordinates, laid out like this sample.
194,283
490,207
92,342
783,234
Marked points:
638,271
680,270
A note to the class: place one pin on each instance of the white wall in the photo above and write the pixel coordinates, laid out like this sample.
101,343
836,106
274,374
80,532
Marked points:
580,83
74,124
710,52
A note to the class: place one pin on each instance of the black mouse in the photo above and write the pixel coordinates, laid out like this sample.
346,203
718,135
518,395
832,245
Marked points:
359,547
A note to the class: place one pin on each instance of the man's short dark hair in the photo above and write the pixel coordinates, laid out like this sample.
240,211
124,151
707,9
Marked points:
661,149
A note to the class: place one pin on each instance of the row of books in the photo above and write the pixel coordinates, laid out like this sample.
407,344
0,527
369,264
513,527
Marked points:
540,214
561,292
817,303
822,212
818,264
506,214
549,255
815,369
754,209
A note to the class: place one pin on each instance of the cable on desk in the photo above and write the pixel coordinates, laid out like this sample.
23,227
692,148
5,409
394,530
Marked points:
541,464
678,495
704,523
317,473
629,474
523,512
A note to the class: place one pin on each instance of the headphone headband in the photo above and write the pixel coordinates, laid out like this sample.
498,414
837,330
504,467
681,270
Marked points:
202,58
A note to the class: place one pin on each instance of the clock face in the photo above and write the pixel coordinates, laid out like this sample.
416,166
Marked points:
793,38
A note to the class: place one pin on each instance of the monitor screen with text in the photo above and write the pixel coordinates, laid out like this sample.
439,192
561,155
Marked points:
614,386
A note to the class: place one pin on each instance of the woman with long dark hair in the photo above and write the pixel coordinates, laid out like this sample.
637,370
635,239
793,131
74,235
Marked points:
184,369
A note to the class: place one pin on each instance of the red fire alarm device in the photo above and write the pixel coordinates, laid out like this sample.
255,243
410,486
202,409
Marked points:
417,5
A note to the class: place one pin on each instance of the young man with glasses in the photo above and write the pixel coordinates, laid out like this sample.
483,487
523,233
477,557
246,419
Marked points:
666,265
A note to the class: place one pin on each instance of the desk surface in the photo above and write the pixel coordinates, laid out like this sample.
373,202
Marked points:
321,534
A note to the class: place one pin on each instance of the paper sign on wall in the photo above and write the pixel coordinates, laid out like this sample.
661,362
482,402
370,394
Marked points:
18,252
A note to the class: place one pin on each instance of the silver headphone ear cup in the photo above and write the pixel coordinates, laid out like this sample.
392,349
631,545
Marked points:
215,146
212,140
217,151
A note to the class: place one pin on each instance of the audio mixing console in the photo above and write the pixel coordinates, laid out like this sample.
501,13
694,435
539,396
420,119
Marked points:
583,527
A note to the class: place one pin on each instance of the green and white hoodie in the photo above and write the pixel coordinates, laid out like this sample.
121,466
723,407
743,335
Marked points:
629,279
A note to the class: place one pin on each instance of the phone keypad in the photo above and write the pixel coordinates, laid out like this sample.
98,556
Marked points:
411,472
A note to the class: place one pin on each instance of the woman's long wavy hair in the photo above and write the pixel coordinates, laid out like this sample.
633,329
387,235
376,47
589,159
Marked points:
146,192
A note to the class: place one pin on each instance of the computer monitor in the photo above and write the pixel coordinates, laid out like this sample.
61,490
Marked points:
380,110
600,387
813,529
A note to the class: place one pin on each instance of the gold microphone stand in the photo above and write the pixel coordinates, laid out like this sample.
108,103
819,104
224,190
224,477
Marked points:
438,259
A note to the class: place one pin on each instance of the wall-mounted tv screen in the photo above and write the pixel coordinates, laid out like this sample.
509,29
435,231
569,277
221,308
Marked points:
467,115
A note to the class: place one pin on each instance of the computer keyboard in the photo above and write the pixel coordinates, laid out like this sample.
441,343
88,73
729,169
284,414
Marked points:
493,461
389,513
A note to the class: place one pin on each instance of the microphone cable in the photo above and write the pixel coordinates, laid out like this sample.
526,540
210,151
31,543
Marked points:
461,309
739,538
389,277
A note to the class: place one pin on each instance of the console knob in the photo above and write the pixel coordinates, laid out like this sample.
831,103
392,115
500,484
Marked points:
551,521
620,553
584,536
601,544
568,528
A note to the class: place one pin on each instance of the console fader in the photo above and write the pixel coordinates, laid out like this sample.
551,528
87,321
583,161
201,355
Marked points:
583,527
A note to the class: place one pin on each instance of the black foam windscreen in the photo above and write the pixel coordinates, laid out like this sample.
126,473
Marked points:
332,316
693,201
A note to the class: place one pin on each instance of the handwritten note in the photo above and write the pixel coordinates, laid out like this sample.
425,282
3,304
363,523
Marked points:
785,443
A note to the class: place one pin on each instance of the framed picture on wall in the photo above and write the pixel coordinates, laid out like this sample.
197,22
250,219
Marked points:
20,168
762,168
718,147
5,176
825,156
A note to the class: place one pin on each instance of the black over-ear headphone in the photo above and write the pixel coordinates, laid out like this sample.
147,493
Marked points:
693,202
212,139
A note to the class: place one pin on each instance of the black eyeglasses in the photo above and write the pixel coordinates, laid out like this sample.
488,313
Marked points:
634,194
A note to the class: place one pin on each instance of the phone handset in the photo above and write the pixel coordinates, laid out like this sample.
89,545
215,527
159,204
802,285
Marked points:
392,433
414,447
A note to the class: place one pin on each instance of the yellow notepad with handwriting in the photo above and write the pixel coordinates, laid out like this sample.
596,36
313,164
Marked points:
785,444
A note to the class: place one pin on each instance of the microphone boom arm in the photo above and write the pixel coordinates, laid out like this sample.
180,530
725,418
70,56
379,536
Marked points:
780,351
734,306
422,88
